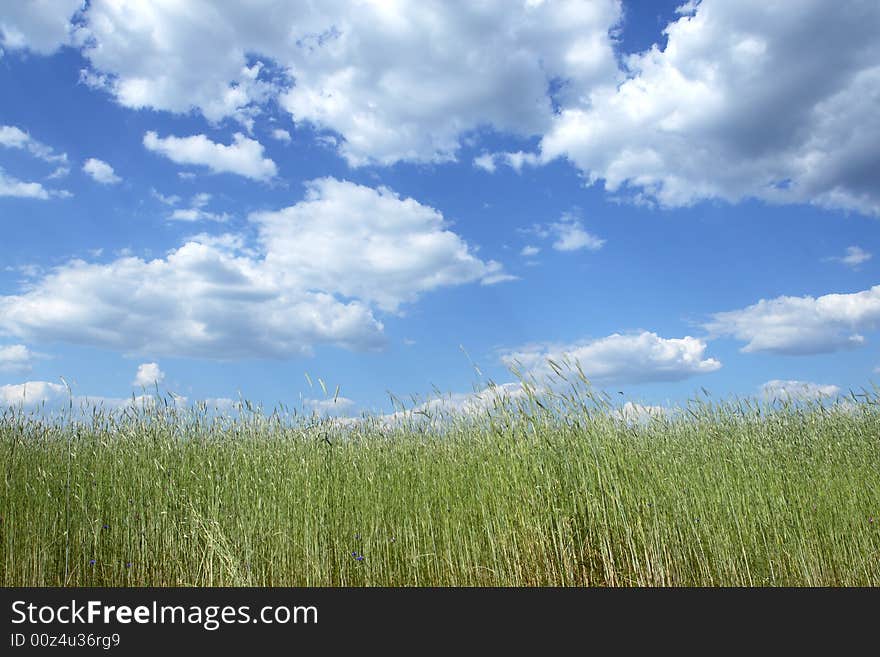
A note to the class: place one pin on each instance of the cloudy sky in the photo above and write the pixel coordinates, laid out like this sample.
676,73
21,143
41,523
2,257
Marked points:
219,197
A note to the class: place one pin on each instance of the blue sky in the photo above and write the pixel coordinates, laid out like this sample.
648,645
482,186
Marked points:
223,198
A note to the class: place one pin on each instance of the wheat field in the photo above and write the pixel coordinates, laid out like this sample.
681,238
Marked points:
556,489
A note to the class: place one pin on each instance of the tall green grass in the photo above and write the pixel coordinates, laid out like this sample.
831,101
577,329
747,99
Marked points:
537,490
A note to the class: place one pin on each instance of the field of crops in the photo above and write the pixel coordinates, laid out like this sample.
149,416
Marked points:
565,491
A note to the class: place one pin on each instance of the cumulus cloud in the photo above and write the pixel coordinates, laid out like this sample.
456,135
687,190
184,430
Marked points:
855,256
41,26
200,301
221,404
148,374
515,160
332,406
747,99
571,236
401,81
802,325
15,358
318,270
197,212
368,243
172,199
486,161
100,171
500,396
529,251
797,390
634,413
519,159
473,403
634,358
32,393
568,234
14,137
448,406
281,135
54,396
10,186
243,157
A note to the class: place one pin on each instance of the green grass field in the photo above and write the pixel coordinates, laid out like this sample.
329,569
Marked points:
555,492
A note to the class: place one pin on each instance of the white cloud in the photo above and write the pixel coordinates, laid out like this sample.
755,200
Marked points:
227,242
854,257
100,171
445,407
14,137
497,277
171,200
797,390
529,251
515,160
10,186
636,358
317,271
200,200
747,99
744,100
633,413
568,234
332,406
802,325
222,404
198,301
519,159
53,396
473,403
401,81
32,393
486,161
15,358
197,214
196,211
243,156
495,397
27,271
281,135
38,25
148,374
368,243
94,80
571,236
423,73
